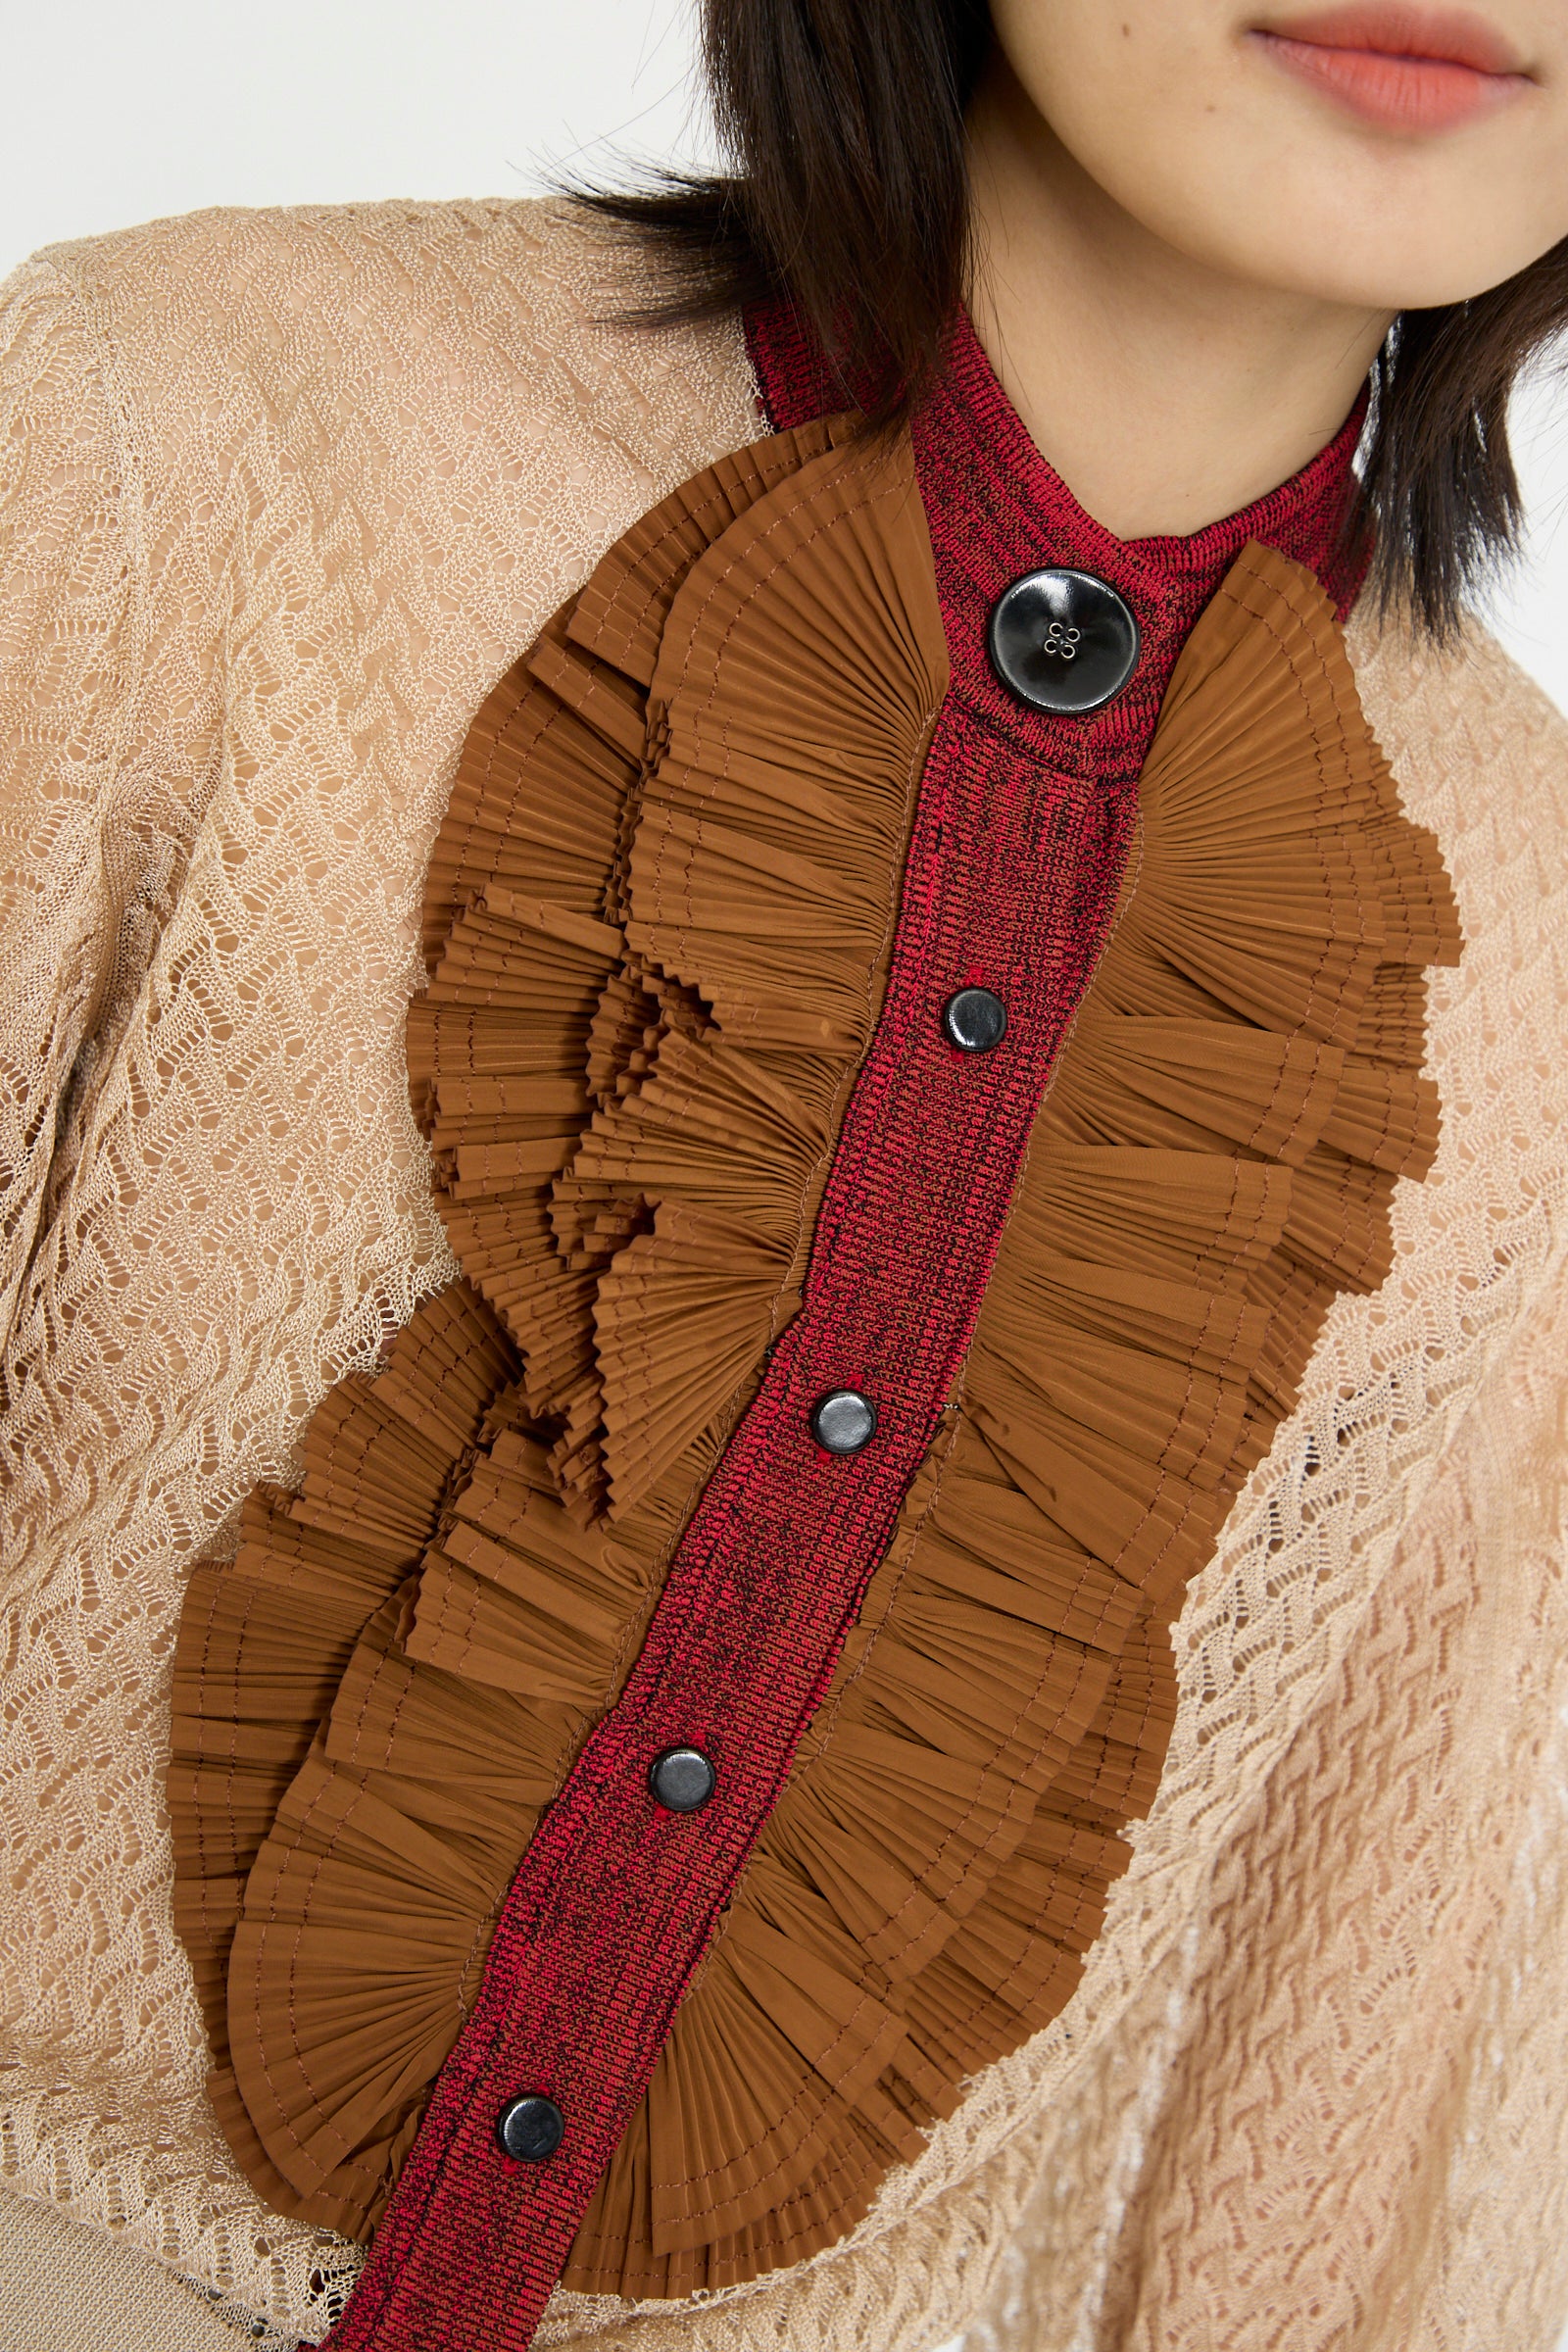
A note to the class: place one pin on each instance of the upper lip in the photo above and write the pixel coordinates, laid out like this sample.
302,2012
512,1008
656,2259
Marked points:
1447,36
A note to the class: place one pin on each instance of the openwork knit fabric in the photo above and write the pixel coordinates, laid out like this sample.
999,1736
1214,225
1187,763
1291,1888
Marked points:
1366,1668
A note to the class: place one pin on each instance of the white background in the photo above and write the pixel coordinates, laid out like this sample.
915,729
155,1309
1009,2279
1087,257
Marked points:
117,113
120,112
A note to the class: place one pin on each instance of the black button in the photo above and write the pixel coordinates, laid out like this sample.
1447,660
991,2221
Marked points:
1063,641
530,2129
682,1779
974,1020
843,1421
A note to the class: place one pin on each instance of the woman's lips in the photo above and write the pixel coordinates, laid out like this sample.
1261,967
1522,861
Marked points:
1402,68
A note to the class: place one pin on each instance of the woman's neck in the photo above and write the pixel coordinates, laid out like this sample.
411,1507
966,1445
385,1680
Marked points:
1165,394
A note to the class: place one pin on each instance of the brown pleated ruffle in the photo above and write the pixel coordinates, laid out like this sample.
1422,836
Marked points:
265,1641
659,933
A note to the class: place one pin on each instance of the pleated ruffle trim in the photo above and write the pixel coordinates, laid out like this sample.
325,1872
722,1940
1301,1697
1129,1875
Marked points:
658,926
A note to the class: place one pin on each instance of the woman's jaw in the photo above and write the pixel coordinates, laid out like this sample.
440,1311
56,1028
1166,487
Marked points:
1373,153
1194,219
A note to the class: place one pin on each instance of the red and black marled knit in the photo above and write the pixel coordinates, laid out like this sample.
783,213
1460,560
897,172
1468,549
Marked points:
1020,838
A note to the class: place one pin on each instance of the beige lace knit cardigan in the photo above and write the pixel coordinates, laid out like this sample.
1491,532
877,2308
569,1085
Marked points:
281,494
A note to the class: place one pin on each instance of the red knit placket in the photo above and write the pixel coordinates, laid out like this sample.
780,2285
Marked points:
1016,856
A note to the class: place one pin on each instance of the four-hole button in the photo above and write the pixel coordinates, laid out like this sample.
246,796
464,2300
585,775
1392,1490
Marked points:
1063,641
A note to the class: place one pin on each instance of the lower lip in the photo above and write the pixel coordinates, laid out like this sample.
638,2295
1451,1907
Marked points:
1396,93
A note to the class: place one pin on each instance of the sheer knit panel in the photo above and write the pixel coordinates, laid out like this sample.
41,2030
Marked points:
66,2289
295,489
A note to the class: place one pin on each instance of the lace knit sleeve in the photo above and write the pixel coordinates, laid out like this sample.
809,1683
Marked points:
66,598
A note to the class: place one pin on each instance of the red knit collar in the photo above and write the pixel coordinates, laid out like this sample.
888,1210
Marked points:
997,510
974,450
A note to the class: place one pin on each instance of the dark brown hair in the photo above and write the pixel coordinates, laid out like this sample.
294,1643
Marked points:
849,194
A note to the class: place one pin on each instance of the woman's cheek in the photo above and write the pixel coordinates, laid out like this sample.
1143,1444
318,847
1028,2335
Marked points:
1183,116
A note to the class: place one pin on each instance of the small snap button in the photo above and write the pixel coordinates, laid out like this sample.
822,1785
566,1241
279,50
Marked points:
843,1421
974,1020
530,2129
1063,641
682,1779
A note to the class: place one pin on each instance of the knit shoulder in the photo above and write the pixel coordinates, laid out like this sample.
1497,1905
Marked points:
333,326
1470,713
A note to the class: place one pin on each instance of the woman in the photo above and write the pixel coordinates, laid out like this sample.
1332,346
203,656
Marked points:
838,1548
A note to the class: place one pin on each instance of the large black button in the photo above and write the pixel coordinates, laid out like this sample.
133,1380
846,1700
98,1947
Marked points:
843,1421
974,1020
530,2129
682,1779
1063,641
